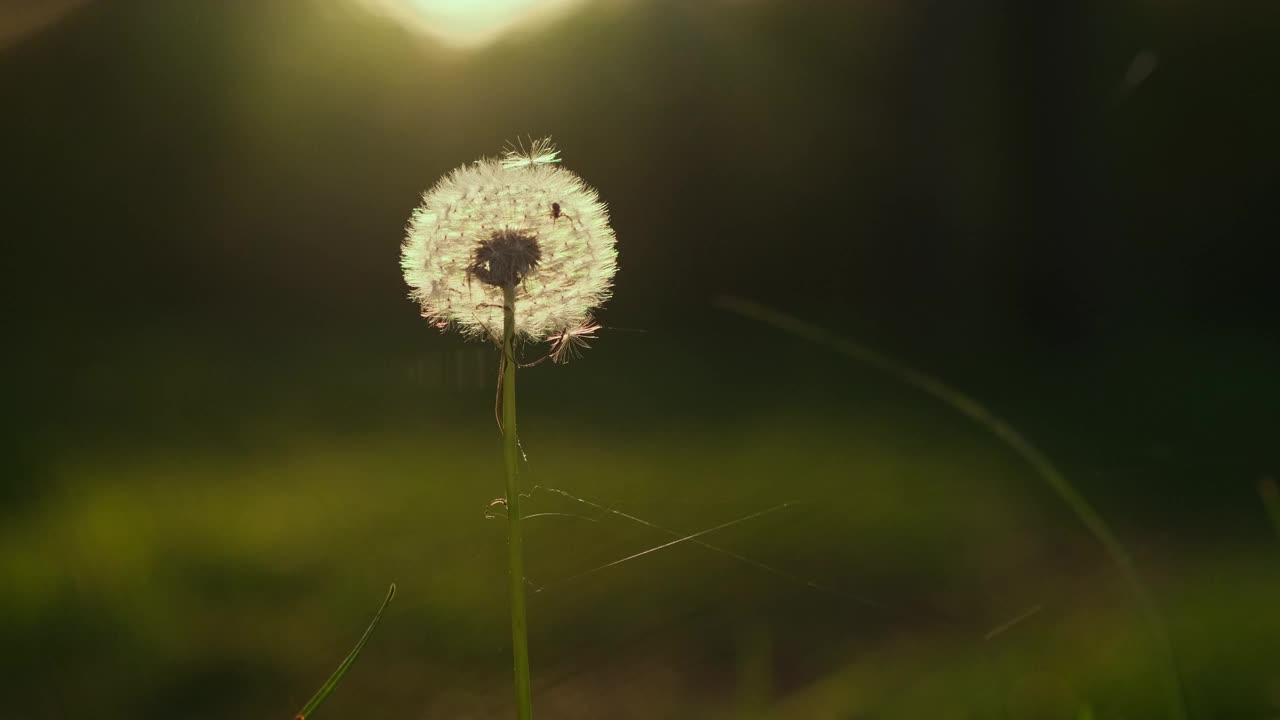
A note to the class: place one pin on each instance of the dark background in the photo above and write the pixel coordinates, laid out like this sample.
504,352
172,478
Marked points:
1064,208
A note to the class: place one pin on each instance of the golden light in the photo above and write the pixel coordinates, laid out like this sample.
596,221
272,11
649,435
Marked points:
468,23
20,18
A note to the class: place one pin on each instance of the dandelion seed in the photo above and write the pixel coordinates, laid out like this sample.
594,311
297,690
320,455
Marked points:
569,344
540,152
492,225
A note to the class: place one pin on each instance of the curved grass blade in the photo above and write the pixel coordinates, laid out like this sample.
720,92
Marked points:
332,683
1269,491
1006,433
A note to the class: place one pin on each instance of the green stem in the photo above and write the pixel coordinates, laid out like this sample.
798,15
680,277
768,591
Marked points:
515,542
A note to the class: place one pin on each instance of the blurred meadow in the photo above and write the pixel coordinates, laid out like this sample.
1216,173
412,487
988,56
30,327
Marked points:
228,430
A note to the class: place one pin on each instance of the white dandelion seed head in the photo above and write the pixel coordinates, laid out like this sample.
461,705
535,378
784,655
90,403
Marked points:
523,222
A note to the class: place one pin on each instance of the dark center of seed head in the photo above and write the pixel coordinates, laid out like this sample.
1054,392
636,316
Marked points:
505,258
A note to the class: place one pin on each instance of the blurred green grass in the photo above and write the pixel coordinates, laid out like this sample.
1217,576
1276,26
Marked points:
215,555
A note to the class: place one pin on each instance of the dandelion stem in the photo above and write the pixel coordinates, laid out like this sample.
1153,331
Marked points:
515,542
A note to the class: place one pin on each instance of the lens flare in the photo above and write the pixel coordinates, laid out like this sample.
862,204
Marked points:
468,23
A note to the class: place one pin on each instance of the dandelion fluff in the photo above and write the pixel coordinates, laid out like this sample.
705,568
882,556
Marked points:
524,222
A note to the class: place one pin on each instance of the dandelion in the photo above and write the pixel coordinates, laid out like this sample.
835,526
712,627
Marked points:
522,244
521,222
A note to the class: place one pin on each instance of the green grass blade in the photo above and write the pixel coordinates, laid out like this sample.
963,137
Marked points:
332,683
1269,491
1006,433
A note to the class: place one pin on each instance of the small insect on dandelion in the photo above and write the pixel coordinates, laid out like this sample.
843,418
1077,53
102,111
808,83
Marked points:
495,224
557,213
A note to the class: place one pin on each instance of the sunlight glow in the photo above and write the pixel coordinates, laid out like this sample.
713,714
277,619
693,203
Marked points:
467,23
20,18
